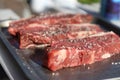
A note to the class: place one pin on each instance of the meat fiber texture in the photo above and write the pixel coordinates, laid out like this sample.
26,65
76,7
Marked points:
75,52
48,19
34,37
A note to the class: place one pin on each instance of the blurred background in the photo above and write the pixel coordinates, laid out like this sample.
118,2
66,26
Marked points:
22,8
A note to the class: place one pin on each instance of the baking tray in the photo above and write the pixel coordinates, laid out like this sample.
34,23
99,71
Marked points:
102,70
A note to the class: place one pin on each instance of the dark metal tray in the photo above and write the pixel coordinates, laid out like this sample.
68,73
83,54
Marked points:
106,69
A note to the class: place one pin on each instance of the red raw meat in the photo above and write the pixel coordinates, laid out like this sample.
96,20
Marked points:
70,53
36,21
31,38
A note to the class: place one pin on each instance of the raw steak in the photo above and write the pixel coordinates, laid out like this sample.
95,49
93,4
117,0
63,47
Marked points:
31,38
36,21
70,53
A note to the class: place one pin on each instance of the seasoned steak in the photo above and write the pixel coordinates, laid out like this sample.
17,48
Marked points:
75,52
52,19
38,36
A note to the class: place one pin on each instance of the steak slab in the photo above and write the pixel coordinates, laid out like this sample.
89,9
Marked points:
31,37
52,19
70,53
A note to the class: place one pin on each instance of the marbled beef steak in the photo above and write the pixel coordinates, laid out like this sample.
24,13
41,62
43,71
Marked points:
75,52
48,19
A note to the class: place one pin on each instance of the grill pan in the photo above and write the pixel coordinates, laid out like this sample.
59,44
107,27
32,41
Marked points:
102,70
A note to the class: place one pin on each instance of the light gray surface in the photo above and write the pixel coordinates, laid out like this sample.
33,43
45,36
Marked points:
8,14
116,23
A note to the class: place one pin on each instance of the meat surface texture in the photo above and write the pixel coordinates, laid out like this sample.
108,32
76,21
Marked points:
75,52
54,33
50,19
